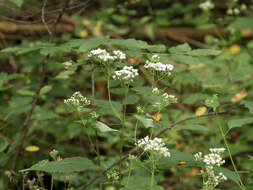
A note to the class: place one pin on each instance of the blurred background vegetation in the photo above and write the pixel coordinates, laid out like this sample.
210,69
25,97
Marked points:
228,27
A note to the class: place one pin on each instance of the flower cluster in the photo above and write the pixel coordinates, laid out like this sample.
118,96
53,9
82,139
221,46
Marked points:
166,98
169,98
156,65
211,160
208,5
77,101
128,73
103,55
155,145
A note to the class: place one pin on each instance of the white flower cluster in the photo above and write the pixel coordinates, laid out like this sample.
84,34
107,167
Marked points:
103,55
153,145
155,90
119,54
212,160
156,65
128,73
169,98
77,101
208,5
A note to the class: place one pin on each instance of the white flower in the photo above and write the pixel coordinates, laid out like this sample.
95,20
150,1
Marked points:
128,73
153,145
77,101
103,55
155,90
236,11
212,160
119,54
208,5
158,66
169,98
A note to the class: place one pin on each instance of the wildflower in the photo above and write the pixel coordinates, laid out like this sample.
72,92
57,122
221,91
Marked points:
105,56
126,74
119,54
169,98
77,101
155,145
236,11
211,160
155,91
158,66
208,5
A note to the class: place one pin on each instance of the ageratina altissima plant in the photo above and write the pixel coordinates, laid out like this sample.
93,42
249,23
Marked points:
154,146
127,74
211,161
104,56
154,64
77,101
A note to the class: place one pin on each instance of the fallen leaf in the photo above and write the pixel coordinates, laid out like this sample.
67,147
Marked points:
240,95
157,116
211,85
32,148
200,110
234,49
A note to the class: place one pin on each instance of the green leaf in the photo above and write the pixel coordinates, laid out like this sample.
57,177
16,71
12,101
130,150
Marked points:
203,52
147,122
138,182
192,127
185,59
249,105
177,156
91,44
66,74
229,174
180,48
3,144
241,23
103,127
239,122
18,3
46,89
132,99
67,165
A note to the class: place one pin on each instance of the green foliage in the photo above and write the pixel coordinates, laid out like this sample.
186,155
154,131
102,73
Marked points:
122,113
67,165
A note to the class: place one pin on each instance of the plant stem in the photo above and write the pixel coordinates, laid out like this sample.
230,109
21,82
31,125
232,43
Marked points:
52,183
229,152
153,172
110,101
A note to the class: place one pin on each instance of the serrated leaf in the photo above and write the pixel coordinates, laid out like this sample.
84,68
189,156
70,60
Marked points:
191,128
67,165
239,122
147,122
103,127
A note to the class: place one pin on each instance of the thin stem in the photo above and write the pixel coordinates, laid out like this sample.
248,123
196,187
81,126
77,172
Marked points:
229,152
52,183
110,101
153,172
